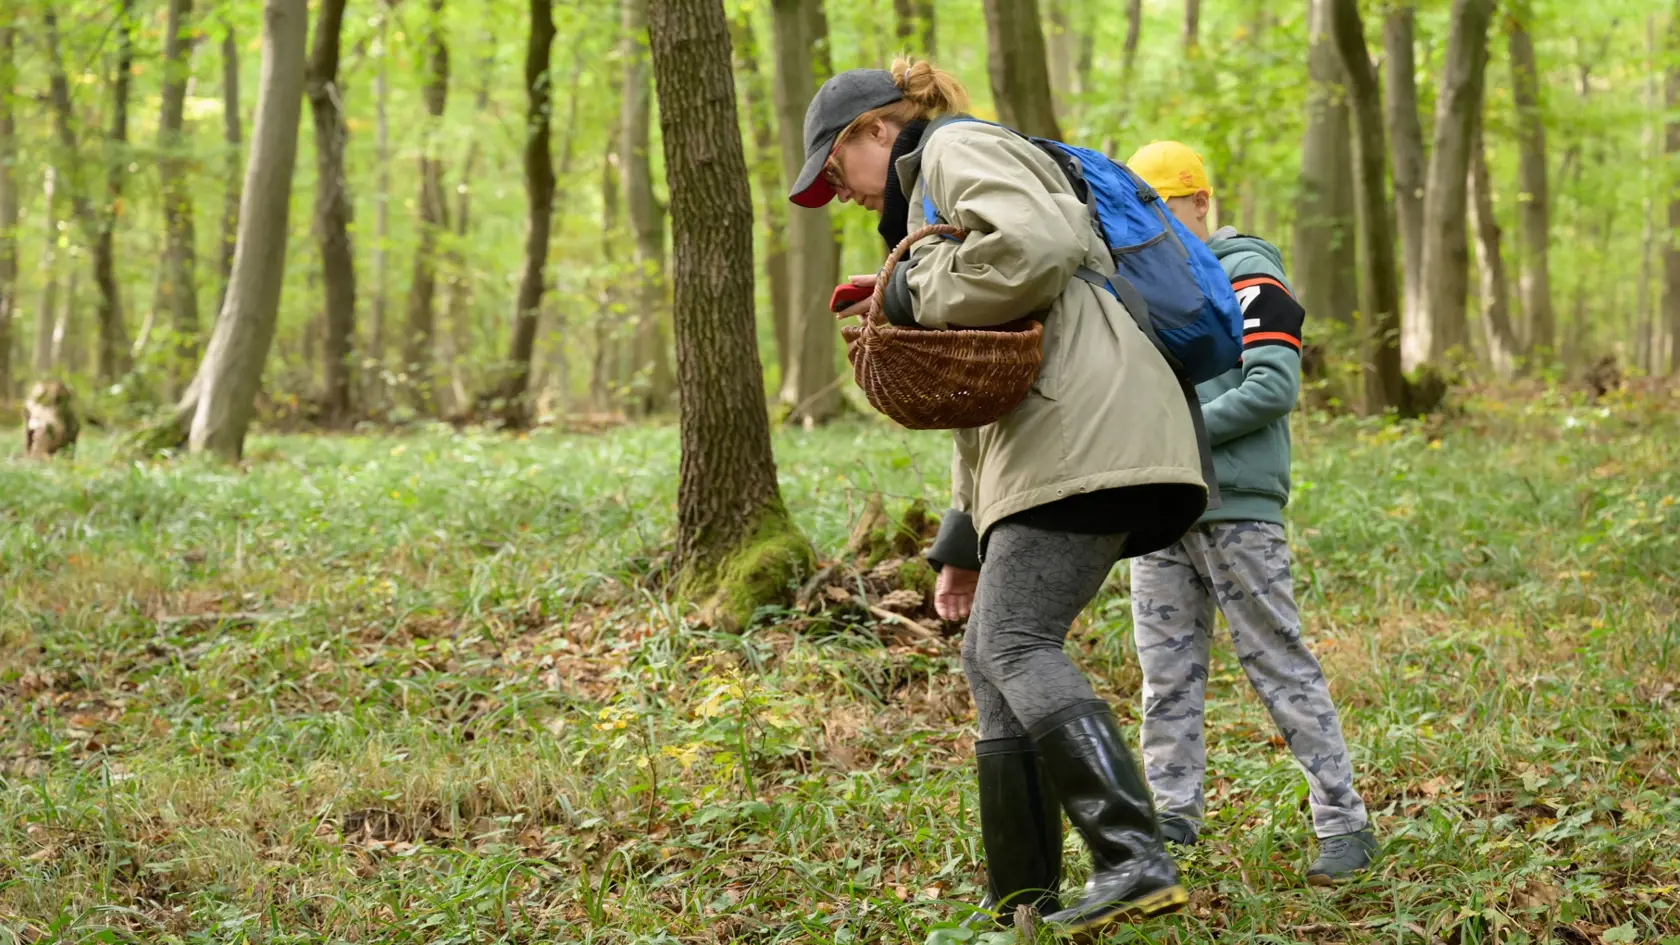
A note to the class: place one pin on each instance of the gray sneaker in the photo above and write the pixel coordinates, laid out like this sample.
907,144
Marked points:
1178,830
1340,857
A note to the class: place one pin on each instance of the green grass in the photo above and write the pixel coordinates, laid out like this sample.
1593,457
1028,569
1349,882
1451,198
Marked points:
411,690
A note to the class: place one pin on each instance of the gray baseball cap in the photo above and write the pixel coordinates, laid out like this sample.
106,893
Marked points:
839,102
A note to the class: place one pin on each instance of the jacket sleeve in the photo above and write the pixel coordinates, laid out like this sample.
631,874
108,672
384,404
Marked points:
1271,363
957,543
1021,249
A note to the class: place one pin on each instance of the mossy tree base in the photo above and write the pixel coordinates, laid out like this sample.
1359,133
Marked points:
763,572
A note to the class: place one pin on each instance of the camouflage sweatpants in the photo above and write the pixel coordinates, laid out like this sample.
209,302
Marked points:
1244,568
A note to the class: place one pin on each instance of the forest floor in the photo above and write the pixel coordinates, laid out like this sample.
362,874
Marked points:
411,689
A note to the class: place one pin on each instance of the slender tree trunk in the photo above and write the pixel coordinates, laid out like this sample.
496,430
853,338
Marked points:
1534,193
1192,25
1385,385
418,341
232,193
1326,251
1405,136
1128,58
726,494
66,338
377,312
332,215
1671,255
913,28
233,363
458,282
1060,56
1495,296
761,117
113,337
647,217
8,201
178,281
1016,66
800,33
46,312
539,201
1645,334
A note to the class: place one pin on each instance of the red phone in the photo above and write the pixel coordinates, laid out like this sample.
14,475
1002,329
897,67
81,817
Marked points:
847,294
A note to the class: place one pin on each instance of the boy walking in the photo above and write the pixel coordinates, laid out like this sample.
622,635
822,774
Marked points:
1237,558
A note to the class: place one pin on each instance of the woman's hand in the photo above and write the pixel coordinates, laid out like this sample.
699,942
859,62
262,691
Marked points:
953,594
865,308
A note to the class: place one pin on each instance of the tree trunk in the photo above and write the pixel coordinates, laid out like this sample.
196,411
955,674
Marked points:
113,338
8,201
1671,255
1060,55
232,370
332,215
46,313
1016,66
232,194
1405,136
762,119
1646,354
458,282
539,203
913,27
808,386
1326,252
1534,193
1385,385
1128,58
727,499
1440,325
66,338
647,217
601,373
433,219
1192,25
1495,296
377,311
178,282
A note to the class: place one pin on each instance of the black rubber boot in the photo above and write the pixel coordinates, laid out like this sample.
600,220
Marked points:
1021,831
1107,801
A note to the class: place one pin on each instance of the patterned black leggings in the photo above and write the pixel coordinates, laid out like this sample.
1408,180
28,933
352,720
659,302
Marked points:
1032,586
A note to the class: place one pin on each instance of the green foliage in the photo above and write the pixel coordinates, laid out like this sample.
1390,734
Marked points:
761,573
412,689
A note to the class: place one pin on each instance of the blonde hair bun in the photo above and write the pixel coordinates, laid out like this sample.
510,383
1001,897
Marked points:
933,91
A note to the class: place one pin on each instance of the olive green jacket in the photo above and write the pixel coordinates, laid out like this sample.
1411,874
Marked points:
1106,411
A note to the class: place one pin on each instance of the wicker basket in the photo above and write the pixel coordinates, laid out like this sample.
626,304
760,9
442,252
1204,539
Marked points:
956,378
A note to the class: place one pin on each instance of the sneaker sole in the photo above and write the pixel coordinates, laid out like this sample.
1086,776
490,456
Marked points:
1160,902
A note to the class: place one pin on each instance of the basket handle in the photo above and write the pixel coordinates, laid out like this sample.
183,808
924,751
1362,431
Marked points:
893,259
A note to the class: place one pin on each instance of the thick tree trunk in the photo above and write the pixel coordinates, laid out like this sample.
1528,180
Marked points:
647,217
1405,137
1534,199
8,201
178,281
761,118
1326,251
418,338
726,495
539,204
332,216
809,384
1385,385
228,379
1192,25
1495,296
1440,325
378,317
1671,255
1016,65
913,27
47,311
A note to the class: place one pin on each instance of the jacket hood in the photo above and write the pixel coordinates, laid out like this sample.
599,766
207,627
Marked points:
1228,242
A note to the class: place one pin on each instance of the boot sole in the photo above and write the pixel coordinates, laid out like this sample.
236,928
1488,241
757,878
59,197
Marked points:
1160,902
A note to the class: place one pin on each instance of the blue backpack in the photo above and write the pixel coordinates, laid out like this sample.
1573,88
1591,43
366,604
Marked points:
1169,281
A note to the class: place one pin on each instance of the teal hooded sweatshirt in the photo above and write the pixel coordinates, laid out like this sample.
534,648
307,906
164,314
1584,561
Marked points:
1247,408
